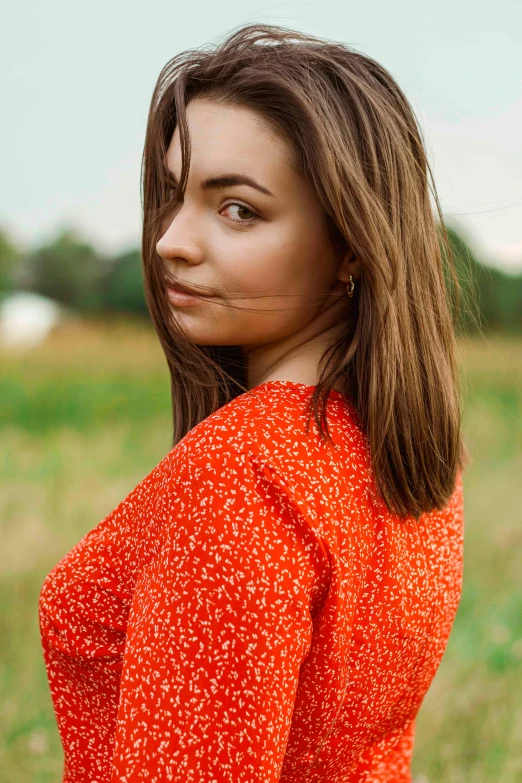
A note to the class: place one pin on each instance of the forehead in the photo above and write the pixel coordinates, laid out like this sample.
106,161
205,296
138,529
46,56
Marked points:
232,138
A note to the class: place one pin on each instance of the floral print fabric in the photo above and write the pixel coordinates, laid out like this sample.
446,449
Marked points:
251,612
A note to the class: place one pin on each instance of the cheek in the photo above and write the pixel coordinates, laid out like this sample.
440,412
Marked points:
280,259
270,274
273,278
277,299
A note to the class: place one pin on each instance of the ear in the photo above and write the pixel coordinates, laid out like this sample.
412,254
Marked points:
349,266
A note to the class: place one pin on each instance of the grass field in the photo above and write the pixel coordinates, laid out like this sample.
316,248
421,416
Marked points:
86,416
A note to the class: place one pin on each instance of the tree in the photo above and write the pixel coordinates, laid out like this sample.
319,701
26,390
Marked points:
68,270
9,260
490,299
123,284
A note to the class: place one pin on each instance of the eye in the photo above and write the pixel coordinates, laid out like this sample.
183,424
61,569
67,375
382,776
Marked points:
243,208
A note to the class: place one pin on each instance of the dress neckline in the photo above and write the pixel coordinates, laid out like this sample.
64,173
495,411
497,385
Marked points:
295,384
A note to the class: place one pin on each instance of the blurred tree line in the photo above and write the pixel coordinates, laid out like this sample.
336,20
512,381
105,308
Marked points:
72,272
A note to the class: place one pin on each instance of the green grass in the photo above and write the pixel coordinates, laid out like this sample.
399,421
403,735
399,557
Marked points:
86,416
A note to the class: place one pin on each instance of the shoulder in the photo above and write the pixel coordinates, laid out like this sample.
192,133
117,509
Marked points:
263,438
271,422
229,431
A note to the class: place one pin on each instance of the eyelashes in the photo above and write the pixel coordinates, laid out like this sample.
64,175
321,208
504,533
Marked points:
171,194
242,206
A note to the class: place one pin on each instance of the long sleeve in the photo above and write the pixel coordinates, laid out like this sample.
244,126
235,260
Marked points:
389,759
219,626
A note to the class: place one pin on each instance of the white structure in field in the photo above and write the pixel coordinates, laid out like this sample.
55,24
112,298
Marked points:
27,318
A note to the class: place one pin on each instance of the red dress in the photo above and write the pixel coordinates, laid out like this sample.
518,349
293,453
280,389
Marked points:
250,613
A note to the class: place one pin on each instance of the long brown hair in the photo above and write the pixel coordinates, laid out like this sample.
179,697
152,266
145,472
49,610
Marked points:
356,140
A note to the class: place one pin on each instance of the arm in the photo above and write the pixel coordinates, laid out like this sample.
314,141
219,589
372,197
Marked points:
388,759
218,629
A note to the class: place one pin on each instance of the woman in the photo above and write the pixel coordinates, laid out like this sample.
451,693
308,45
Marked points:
272,601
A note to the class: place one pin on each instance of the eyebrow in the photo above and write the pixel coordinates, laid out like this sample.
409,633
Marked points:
227,181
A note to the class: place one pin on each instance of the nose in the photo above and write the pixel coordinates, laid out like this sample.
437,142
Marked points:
178,241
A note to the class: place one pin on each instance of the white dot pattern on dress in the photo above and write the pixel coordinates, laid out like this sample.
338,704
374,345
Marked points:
251,612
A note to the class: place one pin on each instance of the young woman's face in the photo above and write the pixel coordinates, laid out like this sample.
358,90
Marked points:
246,245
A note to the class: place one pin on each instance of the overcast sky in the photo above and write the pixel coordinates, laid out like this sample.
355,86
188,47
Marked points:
77,80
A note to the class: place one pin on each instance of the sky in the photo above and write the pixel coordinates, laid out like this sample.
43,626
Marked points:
77,80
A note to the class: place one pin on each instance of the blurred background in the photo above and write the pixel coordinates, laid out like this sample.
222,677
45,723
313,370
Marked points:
84,388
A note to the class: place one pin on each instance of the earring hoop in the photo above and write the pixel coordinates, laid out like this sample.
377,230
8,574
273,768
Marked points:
350,287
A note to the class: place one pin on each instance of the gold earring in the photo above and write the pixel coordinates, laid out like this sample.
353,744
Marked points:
350,287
